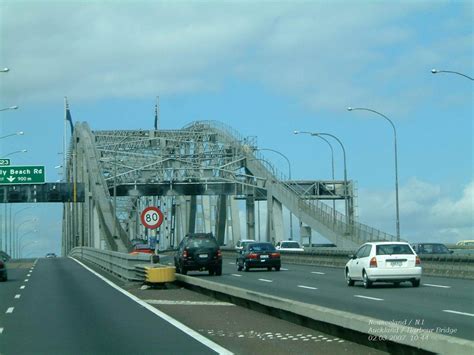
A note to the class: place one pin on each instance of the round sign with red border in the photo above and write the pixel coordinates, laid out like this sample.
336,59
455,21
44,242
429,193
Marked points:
151,217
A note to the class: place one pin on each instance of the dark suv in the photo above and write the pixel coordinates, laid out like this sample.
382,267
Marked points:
198,251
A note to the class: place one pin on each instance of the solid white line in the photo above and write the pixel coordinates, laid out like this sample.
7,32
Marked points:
10,310
22,287
317,272
440,286
283,269
308,287
236,275
192,333
369,298
456,312
265,280
17,296
1,330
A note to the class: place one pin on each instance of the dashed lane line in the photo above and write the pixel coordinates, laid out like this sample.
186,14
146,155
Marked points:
283,269
308,287
237,275
26,280
318,273
369,298
22,287
440,286
265,280
10,310
17,296
457,312
1,330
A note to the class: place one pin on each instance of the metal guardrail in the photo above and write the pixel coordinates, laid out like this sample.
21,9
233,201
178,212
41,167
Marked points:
119,264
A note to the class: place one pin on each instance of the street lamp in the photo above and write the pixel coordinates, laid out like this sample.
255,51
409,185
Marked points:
16,151
289,176
345,166
436,71
13,223
20,133
18,228
396,161
20,238
9,108
4,70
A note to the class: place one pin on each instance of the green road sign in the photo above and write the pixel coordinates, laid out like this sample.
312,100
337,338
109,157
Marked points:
21,175
4,162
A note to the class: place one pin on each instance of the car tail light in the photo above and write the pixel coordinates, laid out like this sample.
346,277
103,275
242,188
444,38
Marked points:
275,255
417,260
373,262
185,254
252,256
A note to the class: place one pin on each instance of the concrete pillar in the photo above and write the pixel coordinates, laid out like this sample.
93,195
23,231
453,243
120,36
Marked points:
277,218
221,218
192,214
250,210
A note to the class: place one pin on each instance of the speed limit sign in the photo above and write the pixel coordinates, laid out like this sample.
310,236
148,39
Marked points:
152,217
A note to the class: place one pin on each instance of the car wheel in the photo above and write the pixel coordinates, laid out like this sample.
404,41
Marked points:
183,270
416,283
269,268
277,268
349,281
396,284
239,267
367,282
219,271
246,266
211,272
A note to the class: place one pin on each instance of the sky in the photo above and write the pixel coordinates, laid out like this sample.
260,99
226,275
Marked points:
264,68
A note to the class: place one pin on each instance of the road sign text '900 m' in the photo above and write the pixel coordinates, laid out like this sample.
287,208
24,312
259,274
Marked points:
21,175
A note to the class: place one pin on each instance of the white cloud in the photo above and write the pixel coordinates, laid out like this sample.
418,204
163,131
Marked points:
427,213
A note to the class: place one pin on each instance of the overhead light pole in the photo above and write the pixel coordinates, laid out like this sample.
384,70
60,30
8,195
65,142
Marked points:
289,177
436,71
4,70
9,108
20,133
396,161
15,152
348,221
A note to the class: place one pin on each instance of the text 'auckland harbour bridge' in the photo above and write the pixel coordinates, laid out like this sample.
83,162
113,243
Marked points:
204,177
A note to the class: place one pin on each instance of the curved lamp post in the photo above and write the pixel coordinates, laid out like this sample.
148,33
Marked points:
9,108
345,167
13,224
18,228
289,176
4,70
436,71
396,161
20,133
16,151
20,238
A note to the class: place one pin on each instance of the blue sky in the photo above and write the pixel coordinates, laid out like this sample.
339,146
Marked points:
266,69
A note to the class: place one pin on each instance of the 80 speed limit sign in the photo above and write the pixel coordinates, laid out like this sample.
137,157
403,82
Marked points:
152,217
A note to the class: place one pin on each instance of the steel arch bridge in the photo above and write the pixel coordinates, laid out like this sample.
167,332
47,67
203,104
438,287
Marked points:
204,177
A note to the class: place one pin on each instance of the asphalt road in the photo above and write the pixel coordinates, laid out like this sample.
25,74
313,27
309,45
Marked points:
58,307
443,305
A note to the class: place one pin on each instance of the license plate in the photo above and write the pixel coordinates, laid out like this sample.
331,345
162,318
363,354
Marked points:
203,256
263,256
396,263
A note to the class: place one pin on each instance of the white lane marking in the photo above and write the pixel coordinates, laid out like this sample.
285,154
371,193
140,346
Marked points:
189,303
440,286
318,273
10,310
236,275
1,330
28,275
456,312
369,298
283,269
26,280
231,263
17,296
308,287
265,280
192,333
22,287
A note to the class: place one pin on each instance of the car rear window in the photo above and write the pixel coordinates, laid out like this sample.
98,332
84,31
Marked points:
393,249
201,243
261,247
290,245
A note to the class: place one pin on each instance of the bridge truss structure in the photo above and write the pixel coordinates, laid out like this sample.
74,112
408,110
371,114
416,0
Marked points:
204,177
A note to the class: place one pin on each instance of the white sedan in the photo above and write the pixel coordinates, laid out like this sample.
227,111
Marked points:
289,245
384,262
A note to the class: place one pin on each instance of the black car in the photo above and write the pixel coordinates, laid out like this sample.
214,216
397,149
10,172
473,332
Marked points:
198,252
430,248
259,255
3,270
